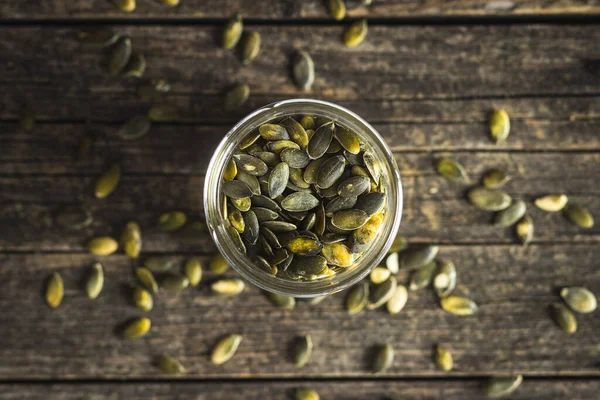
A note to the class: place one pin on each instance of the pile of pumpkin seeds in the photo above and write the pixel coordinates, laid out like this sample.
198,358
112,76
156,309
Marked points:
303,198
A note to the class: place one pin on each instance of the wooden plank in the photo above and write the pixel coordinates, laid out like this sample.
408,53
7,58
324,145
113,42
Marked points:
512,332
290,9
62,80
435,210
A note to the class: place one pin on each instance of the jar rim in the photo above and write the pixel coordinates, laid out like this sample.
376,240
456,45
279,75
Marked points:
241,263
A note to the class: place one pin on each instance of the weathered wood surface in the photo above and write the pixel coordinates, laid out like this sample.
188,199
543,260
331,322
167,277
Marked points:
62,80
511,333
531,389
289,9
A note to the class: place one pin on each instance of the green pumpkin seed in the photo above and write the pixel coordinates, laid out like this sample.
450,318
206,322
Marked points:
142,298
310,265
170,365
171,221
159,263
98,37
334,147
230,171
248,142
174,283
510,215
354,186
163,113
263,264
357,298
299,201
338,254
277,146
232,32
372,165
309,222
75,218
236,97
295,158
193,270
552,202
347,139
250,47
119,56
297,179
357,170
108,181
95,281
303,70
125,5
502,386
356,33
422,277
268,158
237,220
242,204
579,216
135,128
371,203
264,214
339,204
218,264
282,301
384,357
320,141
278,179
306,394
250,164
443,358
225,349
400,242
444,281
579,299
131,239
250,180
302,350
495,179
379,275
273,132
525,230
564,318
307,122
145,276
451,169
236,189
312,170
136,66
489,199
382,292
337,9
102,246
297,133
458,305
418,258
305,246
398,300
279,226
54,290
392,262
251,230
228,287
349,219
499,125
137,328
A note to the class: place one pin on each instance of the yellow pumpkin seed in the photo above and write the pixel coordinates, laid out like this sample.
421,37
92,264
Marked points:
579,299
579,216
307,394
108,181
368,232
502,386
54,290
286,302
458,305
125,5
174,283
218,264
495,179
356,33
379,274
564,318
102,246
525,230
170,365
142,298
228,287
357,298
398,300
131,240
193,270
95,281
171,221
302,350
230,170
233,32
384,357
552,202
338,254
145,276
337,9
451,169
443,358
225,349
137,328
421,278
251,47
444,281
489,199
499,125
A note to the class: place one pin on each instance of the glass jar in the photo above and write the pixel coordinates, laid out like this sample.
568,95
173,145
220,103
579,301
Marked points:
213,198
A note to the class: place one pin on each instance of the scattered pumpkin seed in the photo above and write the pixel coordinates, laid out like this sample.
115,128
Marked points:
237,96
579,216
225,349
444,281
159,263
458,305
228,287
54,290
131,239
422,277
451,169
579,299
306,394
417,258
357,298
135,128
137,328
174,283
337,9
302,350
142,298
552,202
95,281
499,125
398,300
145,276
510,215
193,270
218,265
171,221
102,246
303,70
382,292
564,318
443,358
496,179
392,263
170,365
356,33
379,275
384,357
502,386
170,3
525,230
125,5
282,301
75,218
251,47
489,199
136,66
119,56
232,32
108,181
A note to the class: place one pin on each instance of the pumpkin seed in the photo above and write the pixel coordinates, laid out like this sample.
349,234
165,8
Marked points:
384,357
268,158
228,287
489,199
250,180
137,328
282,301
296,179
108,181
299,201
372,165
159,263
499,125
295,158
302,350
451,169
579,299
319,228
119,56
444,281
174,283
334,147
145,276
193,270
382,292
303,70
225,349
250,164
320,141
398,300
308,265
278,179
502,386
443,358
251,47
338,254
237,220
232,32
349,219
237,96
421,278
354,186
297,134
525,230
418,258
250,233
552,202
579,216
392,263
248,142
236,189
347,139
400,243
125,5
170,365
371,203
337,9
230,171
307,122
309,222
379,275
273,132
98,37
163,113
218,264
136,66
495,179
171,221
338,204
312,170
263,264
357,298
242,204
510,215
279,226
75,218
54,290
307,394
142,298
356,33
564,318
135,128
458,305
264,214
102,246
95,281
277,146
305,246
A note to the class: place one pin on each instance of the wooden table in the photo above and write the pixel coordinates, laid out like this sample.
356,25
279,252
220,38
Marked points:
427,77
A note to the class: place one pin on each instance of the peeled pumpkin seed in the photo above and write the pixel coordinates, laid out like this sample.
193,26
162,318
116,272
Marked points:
232,32
142,298
400,243
349,219
193,270
421,278
297,133
551,202
356,33
392,263
243,204
299,201
273,132
320,141
418,258
218,264
302,350
398,300
145,276
278,179
372,165
384,357
564,318
54,290
499,125
347,139
228,287
159,263
131,239
170,365
119,56
458,305
137,328
379,275
357,298
337,9
382,293
305,246
225,349
338,254
102,246
136,66
125,5
525,230
443,358
282,301
174,283
95,281
251,47
510,215
495,179
502,386
303,70
108,181
451,169
444,280
135,128
579,216
230,171
307,122
579,299
489,199
237,220
237,96
306,394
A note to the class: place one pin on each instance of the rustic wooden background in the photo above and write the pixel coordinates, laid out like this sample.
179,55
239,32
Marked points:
427,76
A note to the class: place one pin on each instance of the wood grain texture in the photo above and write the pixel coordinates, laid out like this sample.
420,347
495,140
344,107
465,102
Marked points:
50,69
289,9
511,333
531,389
